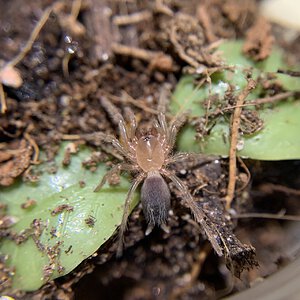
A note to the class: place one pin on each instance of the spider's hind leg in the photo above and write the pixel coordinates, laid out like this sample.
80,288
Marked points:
197,212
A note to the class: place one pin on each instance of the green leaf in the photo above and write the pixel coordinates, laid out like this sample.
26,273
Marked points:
67,233
279,139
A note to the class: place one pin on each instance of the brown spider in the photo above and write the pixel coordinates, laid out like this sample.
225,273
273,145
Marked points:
148,156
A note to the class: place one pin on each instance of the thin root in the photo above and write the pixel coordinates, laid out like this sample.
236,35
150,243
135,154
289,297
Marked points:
35,147
236,120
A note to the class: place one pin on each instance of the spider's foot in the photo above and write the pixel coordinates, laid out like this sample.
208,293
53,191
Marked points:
119,252
165,228
149,229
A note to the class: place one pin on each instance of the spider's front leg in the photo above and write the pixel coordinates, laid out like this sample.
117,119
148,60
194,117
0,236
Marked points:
99,138
176,124
170,132
132,122
126,136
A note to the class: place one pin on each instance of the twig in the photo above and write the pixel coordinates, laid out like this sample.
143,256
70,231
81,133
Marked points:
2,100
264,100
139,104
12,63
156,59
111,109
134,18
204,17
128,99
97,20
266,216
160,7
32,38
271,188
11,135
34,145
236,120
76,6
71,137
289,72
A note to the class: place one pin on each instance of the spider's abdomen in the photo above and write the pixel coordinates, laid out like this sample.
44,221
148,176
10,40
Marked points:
149,153
156,199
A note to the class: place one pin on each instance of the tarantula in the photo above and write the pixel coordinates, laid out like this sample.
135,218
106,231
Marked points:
148,156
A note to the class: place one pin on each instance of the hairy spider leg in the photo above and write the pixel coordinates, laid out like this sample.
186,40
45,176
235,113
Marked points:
125,137
114,170
198,157
122,129
109,139
164,96
176,124
159,128
135,183
163,124
197,212
177,157
132,122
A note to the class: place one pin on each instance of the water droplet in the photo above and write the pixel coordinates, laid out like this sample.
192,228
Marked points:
104,56
72,46
68,39
240,145
182,172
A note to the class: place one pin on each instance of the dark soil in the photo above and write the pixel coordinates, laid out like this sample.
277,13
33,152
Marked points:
127,51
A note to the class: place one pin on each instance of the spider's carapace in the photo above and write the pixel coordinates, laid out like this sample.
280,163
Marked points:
150,154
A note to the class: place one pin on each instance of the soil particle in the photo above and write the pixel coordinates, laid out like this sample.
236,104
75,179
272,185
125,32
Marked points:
61,208
14,161
188,39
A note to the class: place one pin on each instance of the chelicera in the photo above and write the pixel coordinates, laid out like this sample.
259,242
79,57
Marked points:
148,157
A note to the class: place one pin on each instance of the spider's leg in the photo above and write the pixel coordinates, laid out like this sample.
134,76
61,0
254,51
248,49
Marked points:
132,121
180,156
119,121
164,98
198,213
198,157
176,124
99,137
163,124
114,170
125,137
135,183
